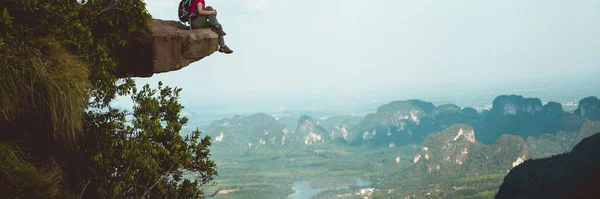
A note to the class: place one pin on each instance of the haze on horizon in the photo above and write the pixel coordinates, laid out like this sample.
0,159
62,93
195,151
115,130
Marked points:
286,50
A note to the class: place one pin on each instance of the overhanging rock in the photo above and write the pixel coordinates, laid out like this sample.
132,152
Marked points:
170,47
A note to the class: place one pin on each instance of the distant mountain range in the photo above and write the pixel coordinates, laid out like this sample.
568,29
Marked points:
455,151
450,141
404,122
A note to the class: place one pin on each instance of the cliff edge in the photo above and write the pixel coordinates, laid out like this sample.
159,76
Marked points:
169,46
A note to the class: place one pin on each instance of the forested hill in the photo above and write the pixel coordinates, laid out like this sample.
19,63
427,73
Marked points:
407,122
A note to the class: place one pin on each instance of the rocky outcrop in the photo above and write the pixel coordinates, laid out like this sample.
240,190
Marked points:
395,122
569,175
342,128
589,108
310,133
169,46
411,121
406,122
451,146
255,131
455,150
516,115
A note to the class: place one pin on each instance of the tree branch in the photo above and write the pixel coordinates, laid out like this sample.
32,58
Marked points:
84,187
148,191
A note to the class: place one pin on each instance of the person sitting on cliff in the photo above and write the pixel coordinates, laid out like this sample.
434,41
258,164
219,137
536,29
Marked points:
207,18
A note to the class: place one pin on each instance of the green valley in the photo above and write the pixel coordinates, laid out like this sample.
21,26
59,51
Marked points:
259,157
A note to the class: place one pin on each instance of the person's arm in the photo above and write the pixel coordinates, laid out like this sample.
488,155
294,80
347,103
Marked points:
205,12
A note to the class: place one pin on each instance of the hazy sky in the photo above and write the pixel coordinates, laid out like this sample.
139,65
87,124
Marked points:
336,46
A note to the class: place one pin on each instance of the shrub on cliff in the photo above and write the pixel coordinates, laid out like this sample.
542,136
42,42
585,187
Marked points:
57,65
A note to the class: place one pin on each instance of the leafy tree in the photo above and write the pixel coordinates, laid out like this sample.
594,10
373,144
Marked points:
58,65
146,156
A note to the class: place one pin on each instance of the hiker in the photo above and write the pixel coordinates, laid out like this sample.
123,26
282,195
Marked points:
206,17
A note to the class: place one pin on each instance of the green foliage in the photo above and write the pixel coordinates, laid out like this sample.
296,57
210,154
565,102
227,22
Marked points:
21,179
480,178
57,72
6,18
589,128
147,156
485,194
550,144
49,87
93,32
82,32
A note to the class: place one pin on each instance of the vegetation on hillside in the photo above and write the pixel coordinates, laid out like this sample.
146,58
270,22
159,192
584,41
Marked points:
61,137
271,172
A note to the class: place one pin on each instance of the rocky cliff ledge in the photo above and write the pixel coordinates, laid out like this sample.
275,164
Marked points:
571,175
169,46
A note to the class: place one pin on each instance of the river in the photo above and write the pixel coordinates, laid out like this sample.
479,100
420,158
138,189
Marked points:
304,191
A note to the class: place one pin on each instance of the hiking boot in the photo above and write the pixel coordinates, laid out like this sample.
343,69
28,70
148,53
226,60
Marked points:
219,30
225,49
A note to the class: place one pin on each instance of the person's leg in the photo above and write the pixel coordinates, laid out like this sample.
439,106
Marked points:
214,23
212,19
221,40
222,47
206,21
200,22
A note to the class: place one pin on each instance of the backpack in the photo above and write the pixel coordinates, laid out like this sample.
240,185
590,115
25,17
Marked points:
184,11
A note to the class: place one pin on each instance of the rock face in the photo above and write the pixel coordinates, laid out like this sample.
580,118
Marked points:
570,175
310,133
449,147
405,122
520,116
410,122
456,151
589,108
170,46
342,128
255,131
